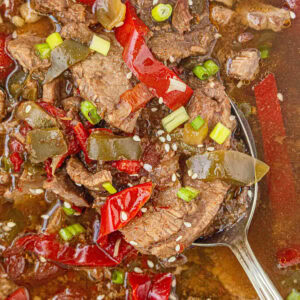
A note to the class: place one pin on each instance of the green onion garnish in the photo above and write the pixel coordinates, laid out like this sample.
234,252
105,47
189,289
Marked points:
54,40
65,234
117,277
211,67
175,119
294,295
89,111
187,193
197,123
43,50
162,12
100,45
69,211
220,133
201,72
69,232
264,52
109,187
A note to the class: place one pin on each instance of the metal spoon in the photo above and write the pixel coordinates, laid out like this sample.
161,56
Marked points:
236,237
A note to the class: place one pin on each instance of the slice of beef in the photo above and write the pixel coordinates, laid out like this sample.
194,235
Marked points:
72,106
244,65
228,3
56,221
102,80
79,32
63,186
221,15
2,105
80,175
22,49
54,91
181,16
260,16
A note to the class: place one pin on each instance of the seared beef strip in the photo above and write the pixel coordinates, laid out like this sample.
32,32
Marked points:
53,91
79,32
181,16
226,2
221,15
2,105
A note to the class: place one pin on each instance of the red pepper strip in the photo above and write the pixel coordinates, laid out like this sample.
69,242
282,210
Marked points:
137,97
87,2
120,208
281,184
6,63
19,294
48,168
25,128
81,255
127,166
82,136
146,288
144,66
288,257
16,148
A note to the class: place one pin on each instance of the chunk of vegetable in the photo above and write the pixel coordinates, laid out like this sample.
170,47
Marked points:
110,13
201,72
294,295
19,294
43,50
211,67
34,115
162,12
231,166
197,123
220,133
54,40
89,111
108,147
16,82
194,137
175,119
64,56
45,143
109,187
118,277
100,45
187,193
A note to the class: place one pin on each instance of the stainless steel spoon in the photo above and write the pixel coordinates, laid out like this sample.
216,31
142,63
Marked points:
236,237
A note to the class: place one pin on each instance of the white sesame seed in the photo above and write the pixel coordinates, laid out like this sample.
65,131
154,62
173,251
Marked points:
133,243
232,118
14,35
160,132
119,24
210,149
171,259
134,175
179,238
136,138
45,217
190,173
138,270
129,184
28,109
36,191
162,139
144,209
168,138
177,248
160,100
6,228
174,147
147,167
171,59
240,84
280,97
78,184
154,109
67,205
174,177
190,2
11,224
150,264
194,176
212,84
155,2
129,75
124,216
173,283
100,297
293,15
187,224
42,259
250,194
200,146
167,148
218,35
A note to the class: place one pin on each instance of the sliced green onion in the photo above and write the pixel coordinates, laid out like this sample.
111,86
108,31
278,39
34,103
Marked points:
65,234
54,40
89,111
211,67
109,187
76,229
197,123
294,295
187,194
100,45
201,72
175,119
69,211
117,277
162,12
43,50
6,164
220,133
264,52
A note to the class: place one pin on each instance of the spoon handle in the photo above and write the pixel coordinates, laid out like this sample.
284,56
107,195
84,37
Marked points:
259,279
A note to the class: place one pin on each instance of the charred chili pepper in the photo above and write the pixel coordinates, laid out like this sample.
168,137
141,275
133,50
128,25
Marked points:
164,82
48,168
122,207
288,257
127,166
16,148
6,63
19,294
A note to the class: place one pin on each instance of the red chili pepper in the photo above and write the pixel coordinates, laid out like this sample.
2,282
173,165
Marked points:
25,128
53,110
81,255
6,63
128,166
144,66
87,2
48,168
19,294
144,287
82,136
120,208
288,257
15,146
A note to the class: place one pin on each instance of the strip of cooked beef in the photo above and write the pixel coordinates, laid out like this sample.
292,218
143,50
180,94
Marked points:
79,32
181,16
102,80
244,65
54,91
221,15
63,186
80,175
22,49
2,105
226,2
262,16
56,221
72,107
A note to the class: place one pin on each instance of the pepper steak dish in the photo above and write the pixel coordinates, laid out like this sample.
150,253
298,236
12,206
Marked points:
118,144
